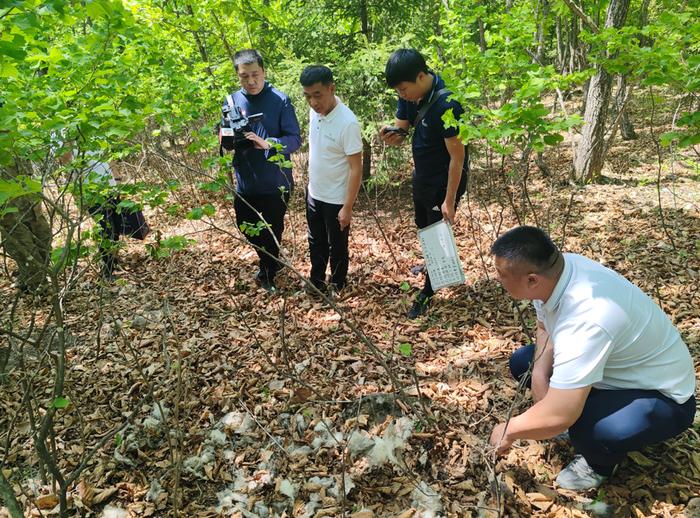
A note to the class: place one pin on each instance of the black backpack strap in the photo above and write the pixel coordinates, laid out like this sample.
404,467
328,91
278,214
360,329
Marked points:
424,109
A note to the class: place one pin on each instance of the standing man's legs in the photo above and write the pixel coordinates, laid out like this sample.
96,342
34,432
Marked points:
318,242
425,215
326,240
272,208
110,222
427,210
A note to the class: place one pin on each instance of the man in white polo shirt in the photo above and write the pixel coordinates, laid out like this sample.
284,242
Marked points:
608,364
335,174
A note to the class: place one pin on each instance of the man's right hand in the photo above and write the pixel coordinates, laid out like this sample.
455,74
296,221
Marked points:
391,137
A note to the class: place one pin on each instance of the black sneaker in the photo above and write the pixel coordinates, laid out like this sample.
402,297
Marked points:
337,287
107,273
417,269
266,284
420,306
319,285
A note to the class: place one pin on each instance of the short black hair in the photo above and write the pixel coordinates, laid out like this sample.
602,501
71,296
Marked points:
404,65
316,74
527,244
247,57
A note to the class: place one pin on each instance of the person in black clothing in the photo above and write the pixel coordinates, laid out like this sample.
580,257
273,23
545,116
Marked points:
440,158
263,187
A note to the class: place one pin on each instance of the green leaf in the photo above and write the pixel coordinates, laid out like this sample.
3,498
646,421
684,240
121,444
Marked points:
8,70
667,138
209,209
405,349
14,48
405,286
60,402
20,186
689,140
95,9
195,214
553,139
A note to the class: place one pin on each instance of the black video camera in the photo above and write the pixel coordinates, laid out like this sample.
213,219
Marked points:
234,126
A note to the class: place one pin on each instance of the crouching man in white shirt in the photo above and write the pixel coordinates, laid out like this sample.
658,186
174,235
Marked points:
608,364
335,174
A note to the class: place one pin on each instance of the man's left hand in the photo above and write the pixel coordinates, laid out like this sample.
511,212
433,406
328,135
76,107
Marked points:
344,217
448,211
499,441
260,143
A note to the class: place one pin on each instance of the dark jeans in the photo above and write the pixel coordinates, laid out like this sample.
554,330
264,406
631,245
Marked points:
615,422
110,222
326,240
427,207
272,208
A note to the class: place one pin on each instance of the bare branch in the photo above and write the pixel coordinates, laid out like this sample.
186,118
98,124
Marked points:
583,16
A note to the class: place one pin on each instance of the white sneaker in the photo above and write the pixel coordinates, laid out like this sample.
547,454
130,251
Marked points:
564,436
579,476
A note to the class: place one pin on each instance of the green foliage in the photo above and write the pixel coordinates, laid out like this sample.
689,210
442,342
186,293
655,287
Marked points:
164,248
406,349
501,87
103,74
216,185
199,212
60,402
16,188
690,136
62,256
252,229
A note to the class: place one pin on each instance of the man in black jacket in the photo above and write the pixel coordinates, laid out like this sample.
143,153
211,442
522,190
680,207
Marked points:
440,158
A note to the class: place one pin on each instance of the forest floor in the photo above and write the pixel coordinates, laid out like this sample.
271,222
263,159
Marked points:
276,403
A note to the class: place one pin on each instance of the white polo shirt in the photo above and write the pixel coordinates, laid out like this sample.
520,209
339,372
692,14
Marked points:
96,171
609,334
331,139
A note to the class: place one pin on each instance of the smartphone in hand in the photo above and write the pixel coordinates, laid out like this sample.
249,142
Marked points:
394,129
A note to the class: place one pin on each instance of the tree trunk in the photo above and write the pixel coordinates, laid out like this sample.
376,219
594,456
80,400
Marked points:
364,19
543,14
573,43
482,35
26,237
542,165
561,48
590,155
621,102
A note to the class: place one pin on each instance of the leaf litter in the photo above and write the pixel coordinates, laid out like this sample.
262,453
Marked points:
260,422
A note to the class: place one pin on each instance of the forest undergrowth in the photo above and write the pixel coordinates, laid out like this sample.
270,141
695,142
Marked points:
232,402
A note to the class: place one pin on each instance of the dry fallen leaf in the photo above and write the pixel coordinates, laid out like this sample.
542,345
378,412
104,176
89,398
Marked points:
45,502
104,494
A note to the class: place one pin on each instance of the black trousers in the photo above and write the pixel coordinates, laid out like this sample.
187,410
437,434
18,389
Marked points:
327,241
427,207
272,207
110,222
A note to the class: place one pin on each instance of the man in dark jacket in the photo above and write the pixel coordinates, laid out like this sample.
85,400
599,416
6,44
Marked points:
263,186
440,158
